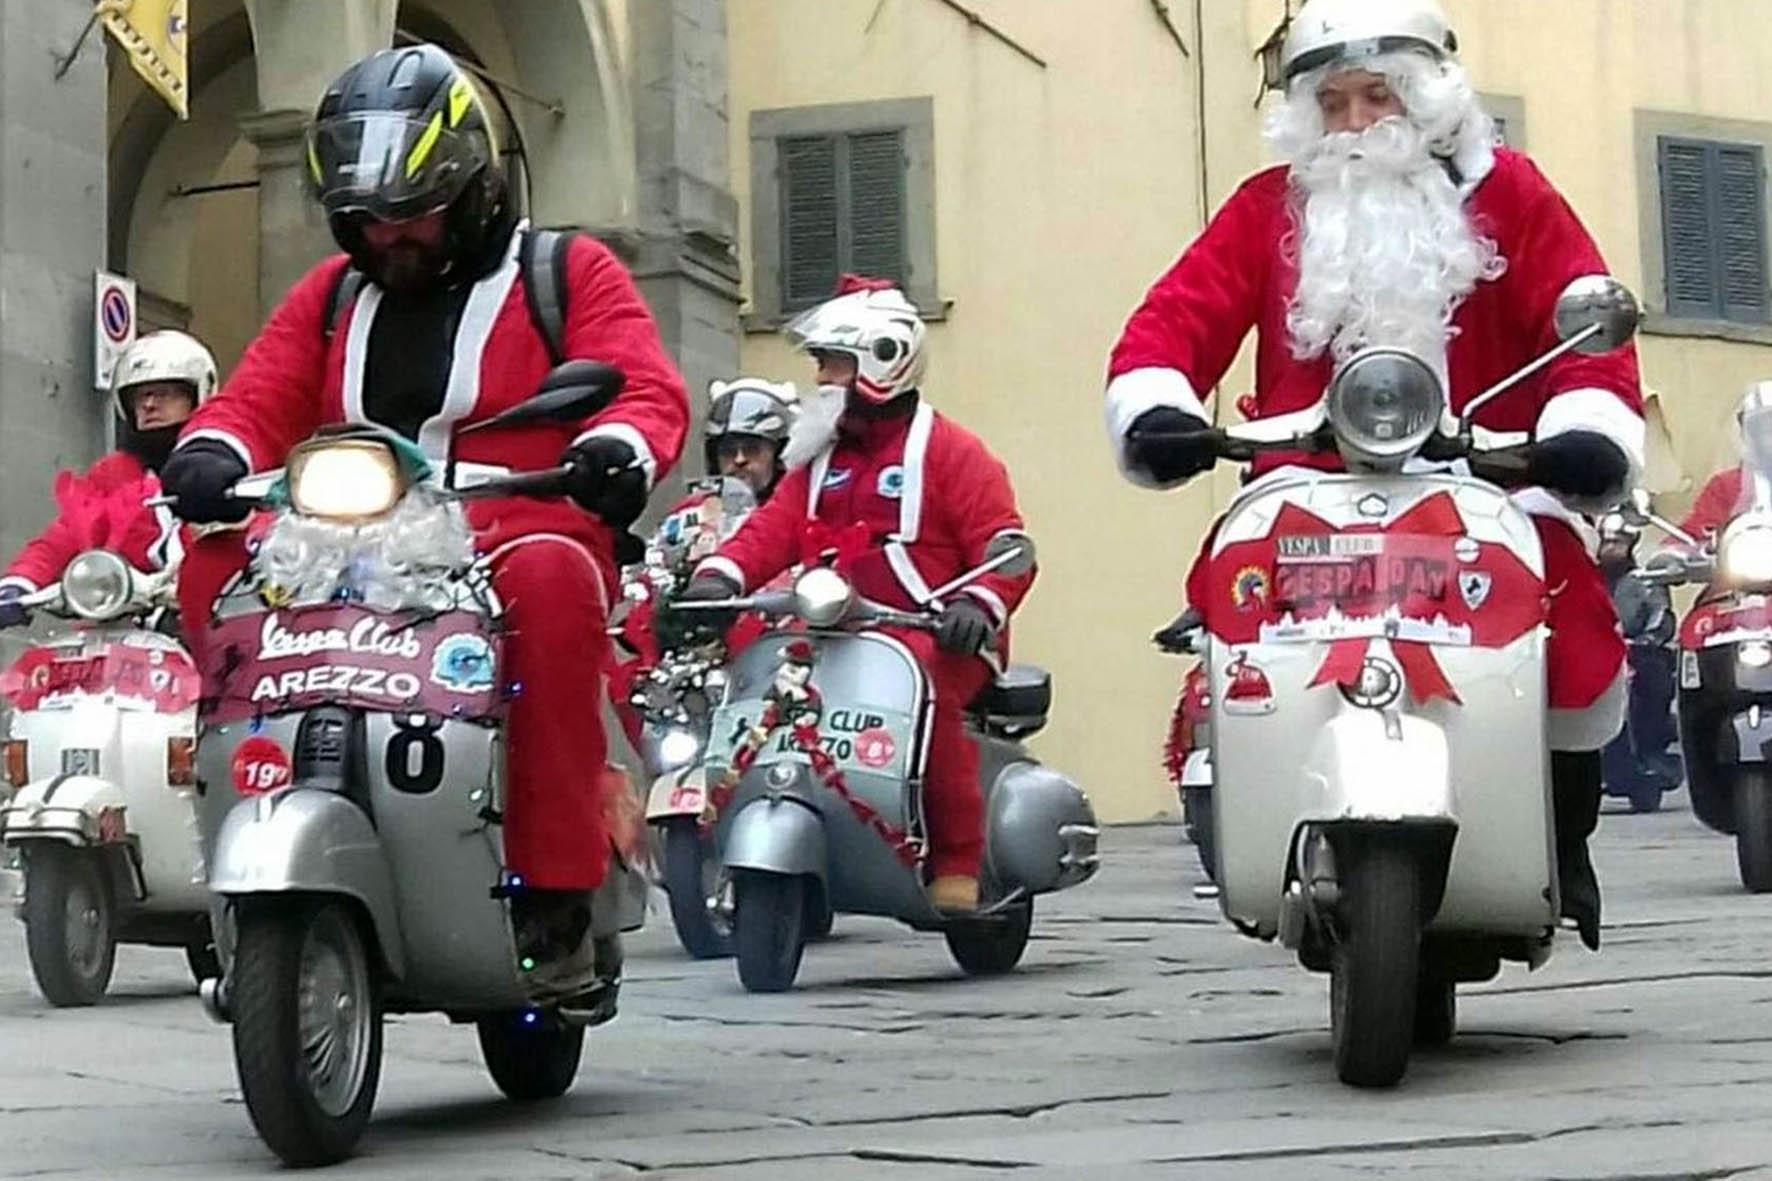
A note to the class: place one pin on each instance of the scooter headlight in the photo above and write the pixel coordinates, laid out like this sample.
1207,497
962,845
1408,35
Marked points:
1754,654
822,597
1744,554
675,749
97,584
1383,405
345,479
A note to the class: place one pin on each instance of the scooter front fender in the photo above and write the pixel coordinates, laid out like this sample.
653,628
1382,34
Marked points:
679,793
308,841
1367,766
781,835
65,808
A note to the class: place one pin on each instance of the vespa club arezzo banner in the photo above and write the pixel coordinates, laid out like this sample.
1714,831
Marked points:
273,662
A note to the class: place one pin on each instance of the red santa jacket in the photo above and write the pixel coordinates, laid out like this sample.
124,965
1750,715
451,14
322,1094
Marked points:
105,507
1719,501
294,378
911,501
1238,274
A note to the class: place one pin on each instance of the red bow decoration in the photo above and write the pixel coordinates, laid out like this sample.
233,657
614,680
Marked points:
1419,570
849,283
837,546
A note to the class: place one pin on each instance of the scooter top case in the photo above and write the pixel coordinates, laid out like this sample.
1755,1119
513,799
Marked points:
1319,578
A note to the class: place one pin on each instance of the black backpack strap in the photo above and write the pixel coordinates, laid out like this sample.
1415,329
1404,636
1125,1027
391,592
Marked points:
345,290
542,257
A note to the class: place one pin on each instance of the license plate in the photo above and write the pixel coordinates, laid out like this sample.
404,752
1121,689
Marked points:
77,760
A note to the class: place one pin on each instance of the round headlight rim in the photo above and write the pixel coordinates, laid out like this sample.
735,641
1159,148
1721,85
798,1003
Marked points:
829,610
1751,528
1363,445
113,604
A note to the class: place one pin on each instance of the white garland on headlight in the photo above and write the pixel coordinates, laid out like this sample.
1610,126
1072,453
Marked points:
407,559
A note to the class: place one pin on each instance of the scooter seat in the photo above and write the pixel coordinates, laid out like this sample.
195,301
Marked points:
1016,702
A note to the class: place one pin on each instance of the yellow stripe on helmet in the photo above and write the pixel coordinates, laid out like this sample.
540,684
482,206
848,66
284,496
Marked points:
461,100
314,162
421,150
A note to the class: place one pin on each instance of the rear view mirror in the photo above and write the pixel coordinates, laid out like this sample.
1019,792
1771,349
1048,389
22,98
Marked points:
1601,306
571,391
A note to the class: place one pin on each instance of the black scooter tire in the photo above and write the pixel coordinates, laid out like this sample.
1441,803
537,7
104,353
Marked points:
57,879
769,928
1753,827
1375,965
685,859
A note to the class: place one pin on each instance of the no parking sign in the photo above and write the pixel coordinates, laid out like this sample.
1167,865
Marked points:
113,323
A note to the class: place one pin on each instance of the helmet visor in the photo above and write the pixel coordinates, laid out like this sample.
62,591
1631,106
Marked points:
1756,438
391,166
751,412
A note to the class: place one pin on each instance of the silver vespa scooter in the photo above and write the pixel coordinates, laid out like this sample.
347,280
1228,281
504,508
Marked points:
1377,686
792,848
353,789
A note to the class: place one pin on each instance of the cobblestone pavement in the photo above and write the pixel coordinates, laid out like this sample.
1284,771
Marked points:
1141,1038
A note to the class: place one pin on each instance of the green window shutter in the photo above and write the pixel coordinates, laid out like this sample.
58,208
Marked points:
810,219
1741,232
877,205
1688,233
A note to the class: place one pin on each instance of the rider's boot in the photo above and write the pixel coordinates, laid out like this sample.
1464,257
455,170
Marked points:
551,928
1575,793
597,1004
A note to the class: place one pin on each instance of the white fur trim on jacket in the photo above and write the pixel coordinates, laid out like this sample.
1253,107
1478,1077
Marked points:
1601,412
1592,726
725,567
23,583
633,438
1136,391
233,441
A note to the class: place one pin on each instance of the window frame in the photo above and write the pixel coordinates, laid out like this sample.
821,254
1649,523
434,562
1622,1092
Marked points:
1651,127
915,119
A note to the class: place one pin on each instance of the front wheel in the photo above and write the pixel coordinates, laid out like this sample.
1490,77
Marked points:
1753,827
531,1055
1374,966
70,923
692,878
769,928
307,1028
993,946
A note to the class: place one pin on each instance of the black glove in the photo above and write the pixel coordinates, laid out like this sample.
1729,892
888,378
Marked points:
964,628
606,479
198,477
1170,459
1582,464
12,612
677,629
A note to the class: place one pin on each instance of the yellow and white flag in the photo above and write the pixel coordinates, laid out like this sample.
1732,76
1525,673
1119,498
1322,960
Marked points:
153,34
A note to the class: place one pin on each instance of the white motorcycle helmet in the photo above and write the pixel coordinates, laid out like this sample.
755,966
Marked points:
1326,31
167,355
877,326
1753,421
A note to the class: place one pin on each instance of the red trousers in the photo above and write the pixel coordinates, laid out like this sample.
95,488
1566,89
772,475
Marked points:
556,825
953,802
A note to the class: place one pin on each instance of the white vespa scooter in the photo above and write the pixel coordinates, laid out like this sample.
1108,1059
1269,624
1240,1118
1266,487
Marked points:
101,749
1378,697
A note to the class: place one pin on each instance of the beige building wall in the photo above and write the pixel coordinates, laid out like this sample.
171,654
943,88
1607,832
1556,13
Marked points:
1061,191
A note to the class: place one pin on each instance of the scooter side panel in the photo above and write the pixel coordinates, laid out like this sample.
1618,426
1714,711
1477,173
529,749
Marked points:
1502,869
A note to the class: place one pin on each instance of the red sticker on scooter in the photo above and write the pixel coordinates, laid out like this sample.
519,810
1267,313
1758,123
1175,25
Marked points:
260,765
874,748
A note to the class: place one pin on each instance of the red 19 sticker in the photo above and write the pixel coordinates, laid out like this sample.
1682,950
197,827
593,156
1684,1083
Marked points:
260,765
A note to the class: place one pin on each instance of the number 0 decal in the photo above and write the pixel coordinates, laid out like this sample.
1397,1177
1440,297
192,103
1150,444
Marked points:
415,756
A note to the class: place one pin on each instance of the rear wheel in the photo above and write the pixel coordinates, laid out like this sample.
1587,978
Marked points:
531,1055
1753,827
1375,964
993,946
1200,822
769,928
70,923
692,877
1436,1009
307,1028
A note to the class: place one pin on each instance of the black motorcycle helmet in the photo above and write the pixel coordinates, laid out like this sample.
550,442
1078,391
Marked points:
401,134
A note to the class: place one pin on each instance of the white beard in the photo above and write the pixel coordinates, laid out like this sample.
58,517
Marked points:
1385,251
815,427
